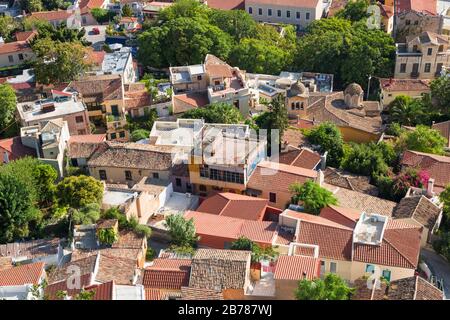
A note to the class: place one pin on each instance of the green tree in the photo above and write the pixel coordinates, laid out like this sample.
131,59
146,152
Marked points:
354,10
258,252
242,243
182,231
422,139
102,15
366,159
32,5
58,62
237,23
216,113
312,196
61,33
184,9
329,139
440,94
86,214
7,26
46,176
126,11
8,103
331,288
79,191
259,56
107,236
17,210
444,197
139,134
406,111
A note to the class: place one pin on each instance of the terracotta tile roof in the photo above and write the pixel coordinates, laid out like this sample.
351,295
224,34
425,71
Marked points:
438,167
91,4
363,292
21,275
413,288
193,99
99,88
152,294
350,181
218,71
393,85
167,274
332,108
63,285
51,15
96,57
444,129
103,291
287,3
137,99
86,265
294,137
344,216
129,239
419,208
334,240
188,293
360,201
77,150
400,247
25,35
31,249
296,268
232,228
220,269
227,5
13,47
429,6
287,156
278,177
93,138
306,159
121,270
131,155
235,205
6,263
14,148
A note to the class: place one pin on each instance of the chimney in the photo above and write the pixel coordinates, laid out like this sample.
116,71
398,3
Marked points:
430,187
323,161
320,177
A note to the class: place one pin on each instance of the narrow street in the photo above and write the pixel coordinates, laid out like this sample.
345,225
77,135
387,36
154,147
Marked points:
439,267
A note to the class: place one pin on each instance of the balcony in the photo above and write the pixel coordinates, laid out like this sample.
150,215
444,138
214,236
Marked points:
113,118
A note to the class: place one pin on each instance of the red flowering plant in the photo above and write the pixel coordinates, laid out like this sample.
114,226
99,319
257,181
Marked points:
409,178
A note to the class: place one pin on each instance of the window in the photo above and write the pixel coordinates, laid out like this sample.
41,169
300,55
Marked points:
333,267
279,13
403,68
10,58
74,162
322,267
427,67
297,15
415,68
272,197
128,175
250,10
178,182
155,175
102,174
79,119
297,106
199,77
113,136
439,67
20,56
269,12
260,11
408,22
370,268
115,110
430,51
293,106
415,49
386,274
122,134
204,171
288,14
202,187
441,48
307,15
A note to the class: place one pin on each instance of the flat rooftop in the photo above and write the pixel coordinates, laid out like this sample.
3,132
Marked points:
370,229
49,108
115,62
180,133
184,74
117,198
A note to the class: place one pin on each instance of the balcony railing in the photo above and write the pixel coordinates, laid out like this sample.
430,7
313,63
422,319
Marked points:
114,118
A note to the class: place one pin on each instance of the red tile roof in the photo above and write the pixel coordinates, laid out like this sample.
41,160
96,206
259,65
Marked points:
344,216
193,99
235,205
275,177
425,6
287,3
296,268
51,15
438,167
25,35
444,129
152,294
92,138
167,274
16,46
104,291
91,4
15,149
392,85
232,228
307,159
137,99
227,5
52,289
21,275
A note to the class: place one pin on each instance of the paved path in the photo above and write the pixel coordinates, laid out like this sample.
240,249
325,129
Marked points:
97,40
439,267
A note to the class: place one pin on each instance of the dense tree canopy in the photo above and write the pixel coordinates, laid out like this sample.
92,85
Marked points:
312,196
182,231
329,138
354,10
440,93
216,113
7,27
422,139
79,191
331,288
407,111
8,102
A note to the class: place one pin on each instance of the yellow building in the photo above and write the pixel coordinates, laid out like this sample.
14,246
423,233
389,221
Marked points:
392,88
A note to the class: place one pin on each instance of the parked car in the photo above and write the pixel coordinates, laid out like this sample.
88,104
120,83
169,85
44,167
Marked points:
95,31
